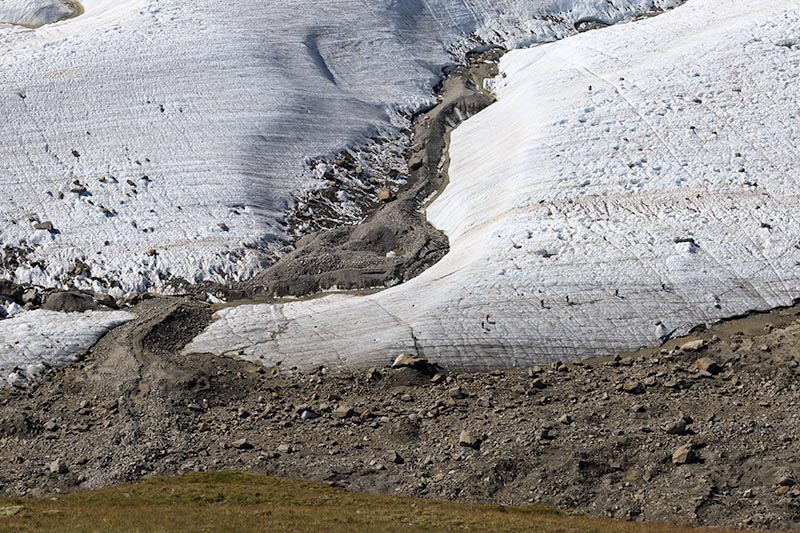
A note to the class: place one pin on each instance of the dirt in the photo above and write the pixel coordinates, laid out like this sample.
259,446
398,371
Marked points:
596,436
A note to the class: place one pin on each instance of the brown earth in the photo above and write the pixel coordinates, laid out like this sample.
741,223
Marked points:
597,437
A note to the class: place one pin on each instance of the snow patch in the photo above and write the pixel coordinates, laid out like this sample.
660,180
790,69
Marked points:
38,339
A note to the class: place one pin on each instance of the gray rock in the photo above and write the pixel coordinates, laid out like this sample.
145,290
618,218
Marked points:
456,393
468,440
633,387
308,414
58,467
344,411
70,302
394,457
242,444
678,427
30,296
46,226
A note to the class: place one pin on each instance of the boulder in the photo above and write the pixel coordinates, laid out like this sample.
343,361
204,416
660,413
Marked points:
468,440
70,302
694,346
684,455
706,364
410,361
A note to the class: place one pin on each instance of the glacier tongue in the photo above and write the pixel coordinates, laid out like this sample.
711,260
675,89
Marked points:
630,183
164,138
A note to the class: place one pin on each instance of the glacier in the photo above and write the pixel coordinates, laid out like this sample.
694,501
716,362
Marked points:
165,140
629,184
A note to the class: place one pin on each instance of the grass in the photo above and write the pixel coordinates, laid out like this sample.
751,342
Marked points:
229,502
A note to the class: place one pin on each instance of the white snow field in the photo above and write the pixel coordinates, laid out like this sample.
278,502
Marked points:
647,172
164,138
37,337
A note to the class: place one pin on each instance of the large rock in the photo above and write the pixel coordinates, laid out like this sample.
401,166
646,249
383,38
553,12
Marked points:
70,302
410,361
684,455
706,364
10,290
694,346
58,467
469,440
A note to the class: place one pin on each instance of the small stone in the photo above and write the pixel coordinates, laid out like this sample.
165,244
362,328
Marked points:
242,444
539,384
535,371
343,411
410,360
285,448
633,387
30,296
51,426
565,419
785,478
456,393
58,467
384,194
437,378
694,346
373,374
678,427
706,364
638,408
468,440
684,455
308,414
203,426
46,226
394,457
243,413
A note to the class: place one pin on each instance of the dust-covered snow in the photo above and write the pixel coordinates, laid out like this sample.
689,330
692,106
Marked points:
165,139
630,183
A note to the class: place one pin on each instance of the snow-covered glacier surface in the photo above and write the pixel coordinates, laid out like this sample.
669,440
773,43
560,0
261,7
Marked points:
164,138
39,338
630,183
35,13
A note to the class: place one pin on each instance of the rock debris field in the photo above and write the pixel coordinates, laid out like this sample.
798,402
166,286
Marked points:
701,431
